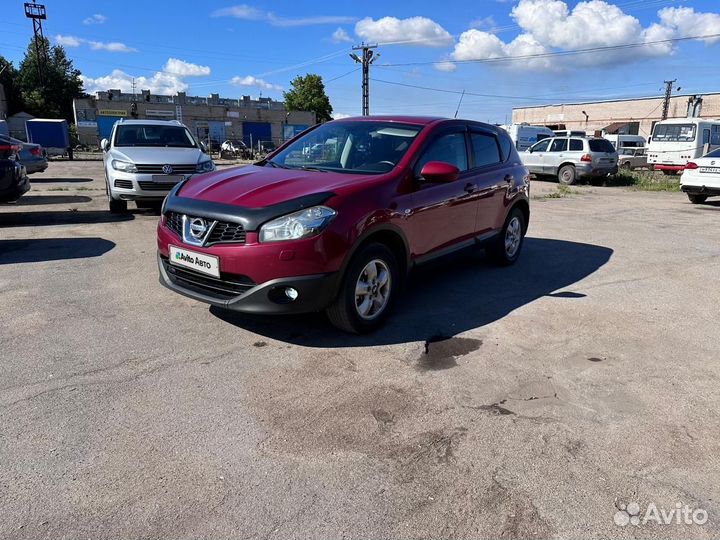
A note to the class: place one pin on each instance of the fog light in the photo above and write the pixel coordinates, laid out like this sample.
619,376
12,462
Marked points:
291,293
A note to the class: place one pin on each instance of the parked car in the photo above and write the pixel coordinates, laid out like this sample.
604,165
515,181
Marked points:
632,158
235,148
31,155
570,159
145,159
622,141
339,230
701,177
13,177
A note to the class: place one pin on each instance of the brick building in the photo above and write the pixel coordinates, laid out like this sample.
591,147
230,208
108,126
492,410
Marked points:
211,119
635,116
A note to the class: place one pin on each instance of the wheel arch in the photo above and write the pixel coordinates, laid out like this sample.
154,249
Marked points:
524,207
387,234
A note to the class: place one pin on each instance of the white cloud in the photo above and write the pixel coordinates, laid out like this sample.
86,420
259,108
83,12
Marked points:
484,23
95,19
551,26
67,41
249,80
181,68
159,83
250,13
687,22
340,36
112,46
445,66
414,30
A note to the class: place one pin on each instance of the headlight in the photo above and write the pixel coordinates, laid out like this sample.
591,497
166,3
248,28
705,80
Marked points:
302,224
124,166
205,166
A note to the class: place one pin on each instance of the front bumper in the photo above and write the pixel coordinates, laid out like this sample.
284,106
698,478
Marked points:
134,186
315,292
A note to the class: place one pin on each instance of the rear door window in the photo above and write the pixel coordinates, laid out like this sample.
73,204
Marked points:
576,145
485,148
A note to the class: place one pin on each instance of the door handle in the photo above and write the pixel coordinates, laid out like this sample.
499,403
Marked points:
470,187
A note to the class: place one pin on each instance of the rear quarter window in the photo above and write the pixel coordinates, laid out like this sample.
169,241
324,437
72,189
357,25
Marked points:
601,145
485,149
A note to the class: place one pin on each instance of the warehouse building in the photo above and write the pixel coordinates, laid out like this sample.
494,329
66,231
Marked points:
634,116
211,119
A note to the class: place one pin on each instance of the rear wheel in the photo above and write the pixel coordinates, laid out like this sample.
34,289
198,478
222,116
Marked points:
669,173
567,175
626,166
505,250
367,291
697,199
151,205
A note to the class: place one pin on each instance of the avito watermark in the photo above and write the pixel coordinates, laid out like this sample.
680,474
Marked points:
680,514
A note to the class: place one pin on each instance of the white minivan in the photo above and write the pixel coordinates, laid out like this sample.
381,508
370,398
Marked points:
622,141
525,135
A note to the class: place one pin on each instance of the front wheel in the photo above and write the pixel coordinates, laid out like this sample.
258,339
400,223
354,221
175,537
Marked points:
367,291
567,175
697,199
505,250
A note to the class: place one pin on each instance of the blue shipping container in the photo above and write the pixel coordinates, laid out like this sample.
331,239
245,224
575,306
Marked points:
49,133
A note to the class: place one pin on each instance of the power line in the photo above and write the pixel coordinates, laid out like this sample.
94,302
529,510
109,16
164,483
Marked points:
569,52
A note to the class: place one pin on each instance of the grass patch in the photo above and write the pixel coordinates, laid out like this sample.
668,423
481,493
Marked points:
561,191
643,181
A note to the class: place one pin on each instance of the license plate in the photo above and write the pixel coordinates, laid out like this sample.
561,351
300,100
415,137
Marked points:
206,264
714,170
167,178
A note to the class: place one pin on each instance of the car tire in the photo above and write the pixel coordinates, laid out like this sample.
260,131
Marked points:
669,173
506,248
148,205
117,206
567,175
697,199
350,311
626,166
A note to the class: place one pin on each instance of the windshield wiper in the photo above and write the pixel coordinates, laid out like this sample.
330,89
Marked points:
311,168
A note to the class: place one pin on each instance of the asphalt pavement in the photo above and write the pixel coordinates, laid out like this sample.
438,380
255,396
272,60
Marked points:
535,401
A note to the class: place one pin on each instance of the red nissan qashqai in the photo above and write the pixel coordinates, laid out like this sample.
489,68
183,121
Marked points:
335,218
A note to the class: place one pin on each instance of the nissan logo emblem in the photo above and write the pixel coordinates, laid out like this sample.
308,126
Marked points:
167,169
198,228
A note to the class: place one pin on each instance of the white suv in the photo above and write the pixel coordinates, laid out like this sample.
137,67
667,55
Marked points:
144,159
571,158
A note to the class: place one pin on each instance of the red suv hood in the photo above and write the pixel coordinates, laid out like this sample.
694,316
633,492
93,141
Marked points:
256,187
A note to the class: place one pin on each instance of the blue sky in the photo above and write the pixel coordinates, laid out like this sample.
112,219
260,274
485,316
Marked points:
252,48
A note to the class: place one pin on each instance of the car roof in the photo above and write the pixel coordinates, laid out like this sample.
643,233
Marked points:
150,123
420,120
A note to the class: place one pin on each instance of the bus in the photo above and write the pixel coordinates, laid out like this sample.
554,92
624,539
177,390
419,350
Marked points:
677,141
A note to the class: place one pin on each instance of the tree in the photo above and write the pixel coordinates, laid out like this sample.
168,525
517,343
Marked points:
9,81
308,94
61,82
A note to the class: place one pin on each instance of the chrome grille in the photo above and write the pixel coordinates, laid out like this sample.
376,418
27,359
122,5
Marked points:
157,169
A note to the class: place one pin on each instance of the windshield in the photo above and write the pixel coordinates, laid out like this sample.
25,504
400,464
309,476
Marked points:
350,147
674,132
150,135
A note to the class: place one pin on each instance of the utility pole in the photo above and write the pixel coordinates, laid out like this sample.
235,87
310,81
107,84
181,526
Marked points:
133,88
668,95
368,57
37,13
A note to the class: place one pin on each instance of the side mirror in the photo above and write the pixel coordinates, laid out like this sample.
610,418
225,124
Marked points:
439,171
105,145
530,150
203,147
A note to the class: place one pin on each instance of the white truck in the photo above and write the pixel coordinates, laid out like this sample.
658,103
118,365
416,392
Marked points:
524,135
